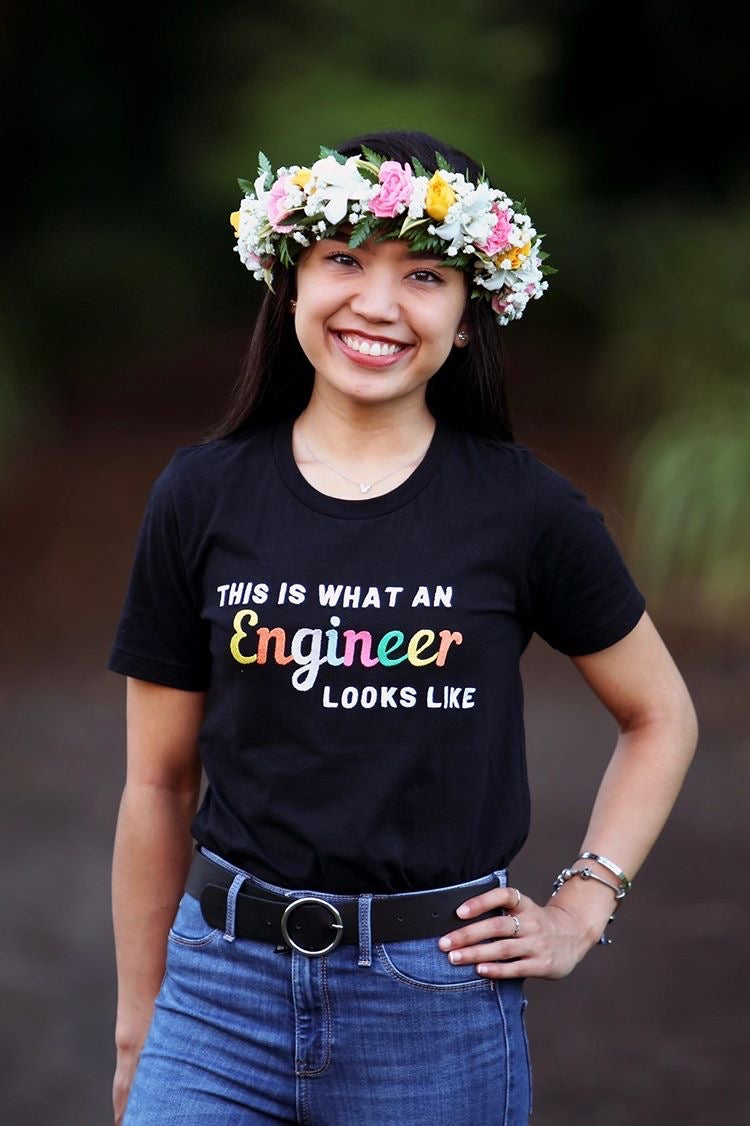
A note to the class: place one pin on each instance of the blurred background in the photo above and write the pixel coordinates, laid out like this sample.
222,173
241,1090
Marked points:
124,319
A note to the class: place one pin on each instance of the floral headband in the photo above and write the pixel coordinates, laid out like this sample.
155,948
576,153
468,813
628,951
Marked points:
440,213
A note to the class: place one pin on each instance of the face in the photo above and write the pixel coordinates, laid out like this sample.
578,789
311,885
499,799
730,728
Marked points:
377,322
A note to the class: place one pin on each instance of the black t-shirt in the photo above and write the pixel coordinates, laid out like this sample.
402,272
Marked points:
364,710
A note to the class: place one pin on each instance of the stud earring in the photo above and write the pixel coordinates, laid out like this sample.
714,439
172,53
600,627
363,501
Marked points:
292,306
462,337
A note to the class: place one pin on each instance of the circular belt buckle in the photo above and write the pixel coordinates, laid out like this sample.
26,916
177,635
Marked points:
337,925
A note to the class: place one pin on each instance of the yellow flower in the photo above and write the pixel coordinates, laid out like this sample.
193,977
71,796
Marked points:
440,197
234,219
515,255
299,179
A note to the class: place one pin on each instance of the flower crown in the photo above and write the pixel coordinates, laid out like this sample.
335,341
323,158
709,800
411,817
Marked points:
473,226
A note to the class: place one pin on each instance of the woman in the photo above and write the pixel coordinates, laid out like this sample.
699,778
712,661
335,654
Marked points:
327,608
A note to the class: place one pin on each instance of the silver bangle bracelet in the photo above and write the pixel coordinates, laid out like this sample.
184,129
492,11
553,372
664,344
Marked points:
625,883
586,874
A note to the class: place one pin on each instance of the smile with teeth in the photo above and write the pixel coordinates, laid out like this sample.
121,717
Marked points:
371,347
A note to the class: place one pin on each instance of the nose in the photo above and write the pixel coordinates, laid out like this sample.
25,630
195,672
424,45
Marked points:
376,298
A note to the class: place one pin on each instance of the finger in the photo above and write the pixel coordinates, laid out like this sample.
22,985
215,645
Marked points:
502,950
519,967
499,926
489,900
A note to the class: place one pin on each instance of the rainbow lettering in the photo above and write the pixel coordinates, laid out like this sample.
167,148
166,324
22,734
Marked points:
310,649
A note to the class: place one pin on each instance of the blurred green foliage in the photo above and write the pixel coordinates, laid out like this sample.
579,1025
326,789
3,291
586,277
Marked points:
675,369
131,129
689,479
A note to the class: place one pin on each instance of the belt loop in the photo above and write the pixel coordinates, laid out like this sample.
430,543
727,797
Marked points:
232,894
501,876
365,930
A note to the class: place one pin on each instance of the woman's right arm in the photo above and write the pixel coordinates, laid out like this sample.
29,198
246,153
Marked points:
151,855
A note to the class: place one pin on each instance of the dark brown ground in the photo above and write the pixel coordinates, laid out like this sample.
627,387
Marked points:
652,1030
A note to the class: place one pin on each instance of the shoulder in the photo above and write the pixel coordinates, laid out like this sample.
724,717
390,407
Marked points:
207,465
525,466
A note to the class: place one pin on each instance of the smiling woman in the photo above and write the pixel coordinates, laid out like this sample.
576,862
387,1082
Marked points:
366,466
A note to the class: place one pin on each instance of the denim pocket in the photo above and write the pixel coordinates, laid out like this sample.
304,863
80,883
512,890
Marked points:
189,927
420,962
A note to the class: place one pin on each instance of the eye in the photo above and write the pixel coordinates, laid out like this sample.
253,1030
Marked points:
342,258
427,276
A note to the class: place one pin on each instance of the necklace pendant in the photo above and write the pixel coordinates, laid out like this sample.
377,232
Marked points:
365,488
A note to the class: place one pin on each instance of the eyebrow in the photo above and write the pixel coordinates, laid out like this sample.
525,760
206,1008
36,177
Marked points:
418,254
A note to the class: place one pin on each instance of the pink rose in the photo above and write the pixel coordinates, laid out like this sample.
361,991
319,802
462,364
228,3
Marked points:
395,190
275,205
499,305
499,236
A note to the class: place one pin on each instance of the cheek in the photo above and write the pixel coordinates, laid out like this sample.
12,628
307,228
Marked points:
307,338
455,305
443,324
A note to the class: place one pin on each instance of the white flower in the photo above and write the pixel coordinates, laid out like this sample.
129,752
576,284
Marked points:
336,186
418,196
470,219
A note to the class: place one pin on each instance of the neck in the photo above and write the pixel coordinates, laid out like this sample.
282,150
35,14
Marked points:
365,433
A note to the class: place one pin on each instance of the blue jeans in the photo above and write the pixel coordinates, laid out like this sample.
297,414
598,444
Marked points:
374,1035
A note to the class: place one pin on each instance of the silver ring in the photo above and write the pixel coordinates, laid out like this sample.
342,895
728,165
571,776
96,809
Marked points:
516,925
518,899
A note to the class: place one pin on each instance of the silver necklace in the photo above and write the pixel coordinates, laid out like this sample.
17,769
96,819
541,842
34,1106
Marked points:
363,488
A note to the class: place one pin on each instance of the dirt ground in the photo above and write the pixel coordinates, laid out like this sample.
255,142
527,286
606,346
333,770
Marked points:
652,1030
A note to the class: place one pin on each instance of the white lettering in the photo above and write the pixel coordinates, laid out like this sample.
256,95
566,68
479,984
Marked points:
304,677
329,595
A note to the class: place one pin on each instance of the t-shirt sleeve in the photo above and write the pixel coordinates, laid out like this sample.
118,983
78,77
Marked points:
582,597
161,636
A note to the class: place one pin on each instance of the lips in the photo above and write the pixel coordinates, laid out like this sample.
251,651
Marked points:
370,351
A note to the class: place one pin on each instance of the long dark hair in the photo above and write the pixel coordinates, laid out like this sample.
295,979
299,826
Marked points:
276,379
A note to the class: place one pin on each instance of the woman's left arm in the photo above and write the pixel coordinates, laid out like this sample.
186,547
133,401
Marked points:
639,683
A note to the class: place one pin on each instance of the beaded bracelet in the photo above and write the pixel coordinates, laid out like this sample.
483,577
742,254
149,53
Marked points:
620,891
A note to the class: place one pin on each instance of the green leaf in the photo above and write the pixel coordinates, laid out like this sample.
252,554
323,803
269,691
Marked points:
361,232
383,234
284,256
265,170
419,168
442,163
368,173
373,157
461,261
325,151
547,270
247,187
411,224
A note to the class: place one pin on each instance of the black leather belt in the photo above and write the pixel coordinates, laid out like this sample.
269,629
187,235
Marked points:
314,925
